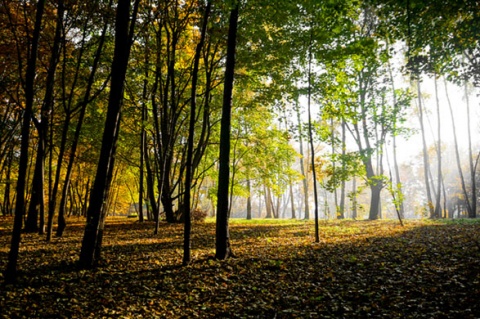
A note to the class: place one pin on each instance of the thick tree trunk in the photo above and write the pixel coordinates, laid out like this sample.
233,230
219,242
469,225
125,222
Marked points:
222,236
375,189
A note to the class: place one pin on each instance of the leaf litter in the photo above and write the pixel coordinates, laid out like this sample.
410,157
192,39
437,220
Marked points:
360,269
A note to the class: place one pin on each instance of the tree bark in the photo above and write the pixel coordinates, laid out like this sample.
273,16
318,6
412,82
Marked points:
73,149
472,163
249,200
222,236
191,133
426,161
438,206
302,165
90,253
11,269
310,139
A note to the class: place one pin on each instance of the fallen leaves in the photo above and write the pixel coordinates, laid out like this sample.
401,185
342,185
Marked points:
360,269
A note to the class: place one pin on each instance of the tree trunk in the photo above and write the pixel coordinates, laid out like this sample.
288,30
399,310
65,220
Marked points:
341,214
49,102
472,164
292,201
268,203
222,236
36,204
310,139
302,166
191,131
354,198
92,238
73,149
249,200
11,269
438,205
426,161
457,152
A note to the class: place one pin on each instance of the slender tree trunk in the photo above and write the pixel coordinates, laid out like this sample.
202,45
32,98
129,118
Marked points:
96,211
73,150
426,161
223,249
471,161
342,185
6,207
398,182
10,274
457,152
310,139
191,131
354,198
249,200
36,204
151,187
49,102
302,165
292,201
438,205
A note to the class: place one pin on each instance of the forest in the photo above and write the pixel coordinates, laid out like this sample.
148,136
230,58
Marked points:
219,130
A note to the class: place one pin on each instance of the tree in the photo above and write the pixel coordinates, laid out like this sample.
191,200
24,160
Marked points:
222,236
92,238
191,132
11,270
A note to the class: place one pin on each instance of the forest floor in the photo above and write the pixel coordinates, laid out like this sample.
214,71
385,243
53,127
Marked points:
360,269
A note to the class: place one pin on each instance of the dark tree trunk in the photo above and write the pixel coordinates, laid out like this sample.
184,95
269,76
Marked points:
49,105
11,269
36,204
66,185
191,132
150,186
90,253
222,236
6,207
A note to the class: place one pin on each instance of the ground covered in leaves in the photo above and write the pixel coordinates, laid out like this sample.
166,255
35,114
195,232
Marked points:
362,269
